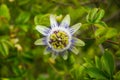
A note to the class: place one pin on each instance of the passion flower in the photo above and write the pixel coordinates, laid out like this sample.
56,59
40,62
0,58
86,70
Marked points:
59,38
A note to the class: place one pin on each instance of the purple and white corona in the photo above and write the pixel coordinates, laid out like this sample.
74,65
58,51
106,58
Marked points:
59,37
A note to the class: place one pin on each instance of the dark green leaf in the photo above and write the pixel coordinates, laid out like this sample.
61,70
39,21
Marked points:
93,14
96,73
23,17
4,48
108,62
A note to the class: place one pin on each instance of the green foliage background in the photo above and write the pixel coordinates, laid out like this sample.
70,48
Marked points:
99,59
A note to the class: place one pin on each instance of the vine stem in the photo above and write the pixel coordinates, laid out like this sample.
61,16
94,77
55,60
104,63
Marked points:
117,43
54,68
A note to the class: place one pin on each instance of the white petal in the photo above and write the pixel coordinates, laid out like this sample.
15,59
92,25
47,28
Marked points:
54,55
53,21
40,41
65,55
65,22
46,51
74,50
42,29
75,27
79,42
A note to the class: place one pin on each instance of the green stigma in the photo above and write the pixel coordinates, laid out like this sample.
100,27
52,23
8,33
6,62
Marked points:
59,40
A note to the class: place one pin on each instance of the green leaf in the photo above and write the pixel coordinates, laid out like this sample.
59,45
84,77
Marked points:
4,48
93,13
108,62
72,59
98,62
88,17
101,40
42,20
96,73
101,24
4,11
4,78
23,2
16,70
78,72
105,33
89,62
42,77
99,15
111,33
117,76
80,12
24,27
23,17
100,32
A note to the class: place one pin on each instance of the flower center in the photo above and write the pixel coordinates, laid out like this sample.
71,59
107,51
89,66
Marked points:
59,40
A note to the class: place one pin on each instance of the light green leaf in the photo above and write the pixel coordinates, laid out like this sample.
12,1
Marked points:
42,77
4,78
117,76
42,19
95,15
101,24
89,62
100,32
111,33
4,11
101,40
88,17
72,59
99,15
98,62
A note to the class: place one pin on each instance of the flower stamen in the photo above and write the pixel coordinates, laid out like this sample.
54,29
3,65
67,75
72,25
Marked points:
59,40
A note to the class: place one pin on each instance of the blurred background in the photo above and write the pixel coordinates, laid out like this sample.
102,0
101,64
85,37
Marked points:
20,59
